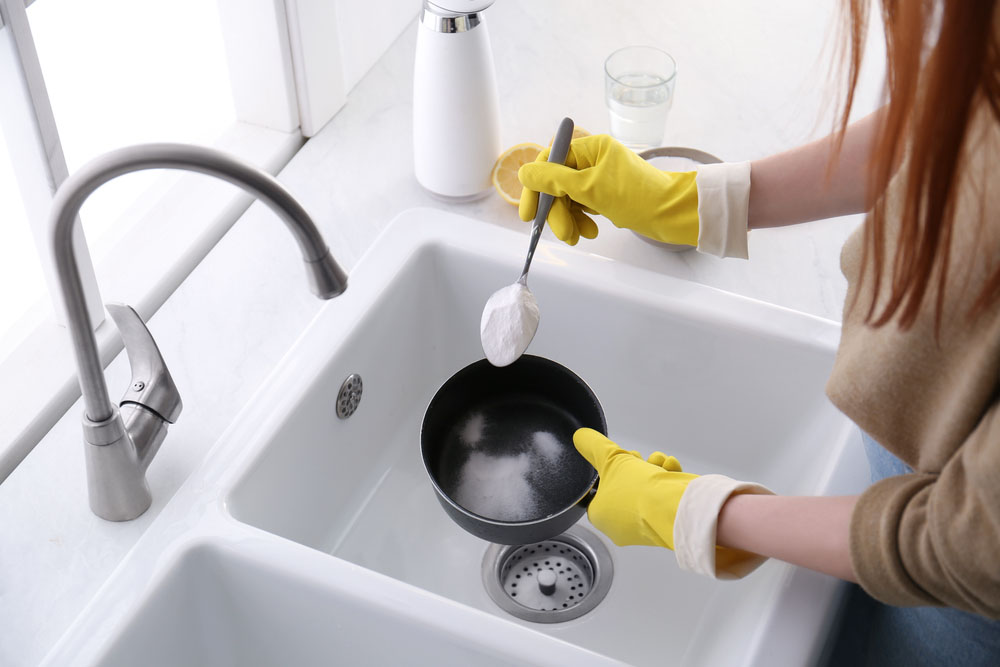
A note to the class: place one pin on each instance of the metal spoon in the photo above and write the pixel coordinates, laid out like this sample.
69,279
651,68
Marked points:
511,315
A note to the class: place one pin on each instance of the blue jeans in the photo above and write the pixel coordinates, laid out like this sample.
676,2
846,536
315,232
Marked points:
872,633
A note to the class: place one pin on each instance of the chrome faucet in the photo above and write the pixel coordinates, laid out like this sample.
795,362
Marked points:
120,443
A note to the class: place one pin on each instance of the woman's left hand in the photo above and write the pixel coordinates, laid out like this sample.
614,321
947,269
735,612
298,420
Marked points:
636,500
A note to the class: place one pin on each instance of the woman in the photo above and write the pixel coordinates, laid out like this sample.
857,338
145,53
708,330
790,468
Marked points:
919,360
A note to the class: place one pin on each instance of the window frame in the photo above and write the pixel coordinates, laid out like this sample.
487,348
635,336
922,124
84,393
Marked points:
287,82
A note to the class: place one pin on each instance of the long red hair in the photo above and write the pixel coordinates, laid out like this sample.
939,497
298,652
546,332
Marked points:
942,63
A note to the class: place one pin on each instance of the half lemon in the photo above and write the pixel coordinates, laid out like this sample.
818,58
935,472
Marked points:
504,174
505,170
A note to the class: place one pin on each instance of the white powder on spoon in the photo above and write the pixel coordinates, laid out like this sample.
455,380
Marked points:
510,319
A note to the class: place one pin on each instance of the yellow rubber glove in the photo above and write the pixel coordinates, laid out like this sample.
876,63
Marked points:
636,501
602,176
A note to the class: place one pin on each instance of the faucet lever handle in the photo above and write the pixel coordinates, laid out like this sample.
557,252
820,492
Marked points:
152,386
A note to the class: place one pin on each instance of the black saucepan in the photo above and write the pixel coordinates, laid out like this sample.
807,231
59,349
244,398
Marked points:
497,444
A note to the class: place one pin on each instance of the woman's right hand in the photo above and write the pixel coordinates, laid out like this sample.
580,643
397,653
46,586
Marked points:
601,176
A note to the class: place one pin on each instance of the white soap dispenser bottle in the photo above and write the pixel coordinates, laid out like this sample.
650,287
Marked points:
456,110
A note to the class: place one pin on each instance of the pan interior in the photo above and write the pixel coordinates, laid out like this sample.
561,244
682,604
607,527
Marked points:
511,458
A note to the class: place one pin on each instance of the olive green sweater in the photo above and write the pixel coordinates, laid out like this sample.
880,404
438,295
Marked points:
932,537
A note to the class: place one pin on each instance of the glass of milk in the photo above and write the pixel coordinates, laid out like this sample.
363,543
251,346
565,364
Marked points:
639,91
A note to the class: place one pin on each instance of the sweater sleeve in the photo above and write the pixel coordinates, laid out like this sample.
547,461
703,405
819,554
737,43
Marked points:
934,538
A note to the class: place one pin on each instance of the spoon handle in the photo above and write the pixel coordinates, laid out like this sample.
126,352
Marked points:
558,153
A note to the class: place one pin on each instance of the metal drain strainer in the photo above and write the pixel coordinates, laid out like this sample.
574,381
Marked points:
349,396
552,581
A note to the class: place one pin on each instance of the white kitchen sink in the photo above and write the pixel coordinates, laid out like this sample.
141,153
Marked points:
724,383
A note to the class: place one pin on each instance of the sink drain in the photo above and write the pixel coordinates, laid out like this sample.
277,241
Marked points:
349,396
552,581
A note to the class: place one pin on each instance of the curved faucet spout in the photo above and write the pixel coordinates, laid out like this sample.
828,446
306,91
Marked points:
326,278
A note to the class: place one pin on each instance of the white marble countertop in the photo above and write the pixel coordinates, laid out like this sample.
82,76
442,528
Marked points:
752,81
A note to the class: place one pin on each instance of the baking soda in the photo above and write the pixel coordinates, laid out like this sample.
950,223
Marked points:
547,445
509,321
497,487
510,487
472,431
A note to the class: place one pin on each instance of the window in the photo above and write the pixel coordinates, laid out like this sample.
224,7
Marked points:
21,280
80,78
120,72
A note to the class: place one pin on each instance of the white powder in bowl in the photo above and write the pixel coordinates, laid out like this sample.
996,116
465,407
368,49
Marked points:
510,319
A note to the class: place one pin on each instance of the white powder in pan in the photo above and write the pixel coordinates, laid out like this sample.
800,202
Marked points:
547,445
472,430
497,487
509,321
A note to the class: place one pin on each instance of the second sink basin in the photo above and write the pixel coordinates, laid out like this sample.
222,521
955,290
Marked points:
221,605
